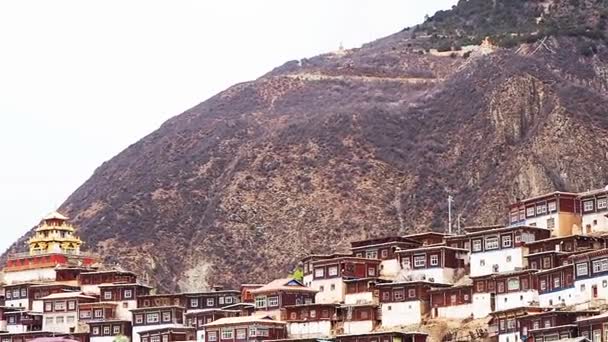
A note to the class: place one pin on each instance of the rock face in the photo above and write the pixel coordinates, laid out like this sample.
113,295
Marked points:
340,147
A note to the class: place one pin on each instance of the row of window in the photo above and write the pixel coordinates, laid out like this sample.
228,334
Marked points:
16,293
513,284
126,294
598,266
60,320
537,210
308,314
266,302
420,261
241,334
590,205
492,242
60,306
155,338
194,302
106,330
398,295
153,317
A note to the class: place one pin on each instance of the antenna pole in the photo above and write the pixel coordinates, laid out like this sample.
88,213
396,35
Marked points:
450,200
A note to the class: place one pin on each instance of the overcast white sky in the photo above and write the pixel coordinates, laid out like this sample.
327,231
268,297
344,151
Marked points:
81,80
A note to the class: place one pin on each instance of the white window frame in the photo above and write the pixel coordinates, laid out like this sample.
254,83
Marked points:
128,293
116,329
596,266
420,260
139,319
227,333
372,254
59,306
476,246
491,242
273,301
552,206
85,314
210,301
152,317
541,209
582,269
406,263
332,271
371,271
95,330
319,272
241,334
507,241
228,300
194,302
513,284
588,206
107,295
434,260
602,203
212,336
260,302
530,212
106,330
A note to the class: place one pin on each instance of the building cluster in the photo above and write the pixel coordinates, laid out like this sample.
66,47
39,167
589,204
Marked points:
543,277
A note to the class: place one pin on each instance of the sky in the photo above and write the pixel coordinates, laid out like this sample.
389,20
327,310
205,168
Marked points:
82,80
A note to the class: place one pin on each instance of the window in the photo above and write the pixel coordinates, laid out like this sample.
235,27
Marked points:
321,288
552,206
453,299
384,253
155,338
501,324
59,320
210,302
371,254
506,241
524,284
128,294
514,217
220,300
551,223
536,325
260,302
165,338
480,286
212,336
513,284
167,316
602,203
398,295
371,271
386,296
530,211
543,284
500,287
273,301
511,323
582,269
466,297
106,330
313,313
107,295
139,319
556,283
406,263
86,314
319,272
23,293
533,265
508,258
48,306
604,264
482,262
59,306
546,262
8,295
262,332
72,305
492,242
98,313
228,300
116,329
194,302
419,261
476,245
332,271
597,335
434,260
95,329
70,319
582,287
332,287
47,320
587,206
241,334
541,209
152,318
597,266
411,293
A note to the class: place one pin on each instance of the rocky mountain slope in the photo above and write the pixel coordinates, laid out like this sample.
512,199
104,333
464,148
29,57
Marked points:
354,144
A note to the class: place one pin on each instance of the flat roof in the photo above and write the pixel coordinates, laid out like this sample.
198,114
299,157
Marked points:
385,333
591,318
124,284
62,295
550,194
242,320
159,308
432,247
414,282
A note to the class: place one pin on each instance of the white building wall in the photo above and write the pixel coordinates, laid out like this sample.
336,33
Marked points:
309,329
511,300
566,297
481,305
102,338
3,325
41,274
456,311
138,329
357,327
601,221
200,336
402,313
60,327
123,312
90,289
307,279
437,275
583,289
483,263
23,303
38,306
541,221
16,328
329,295
359,298
390,268
510,337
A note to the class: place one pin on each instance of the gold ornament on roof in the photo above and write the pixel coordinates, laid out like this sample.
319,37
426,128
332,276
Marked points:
54,235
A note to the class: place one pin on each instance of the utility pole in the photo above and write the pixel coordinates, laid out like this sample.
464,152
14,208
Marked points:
458,223
449,214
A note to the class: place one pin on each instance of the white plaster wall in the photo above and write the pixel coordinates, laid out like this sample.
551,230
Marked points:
102,338
439,275
90,289
309,329
359,298
29,275
510,337
124,313
16,329
566,296
505,301
390,268
402,313
62,327
328,295
37,306
497,257
541,221
602,221
3,325
358,327
307,279
456,311
138,329
24,303
276,314
200,336
587,294
481,305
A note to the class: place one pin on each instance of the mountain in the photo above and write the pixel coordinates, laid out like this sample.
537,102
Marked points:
360,143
